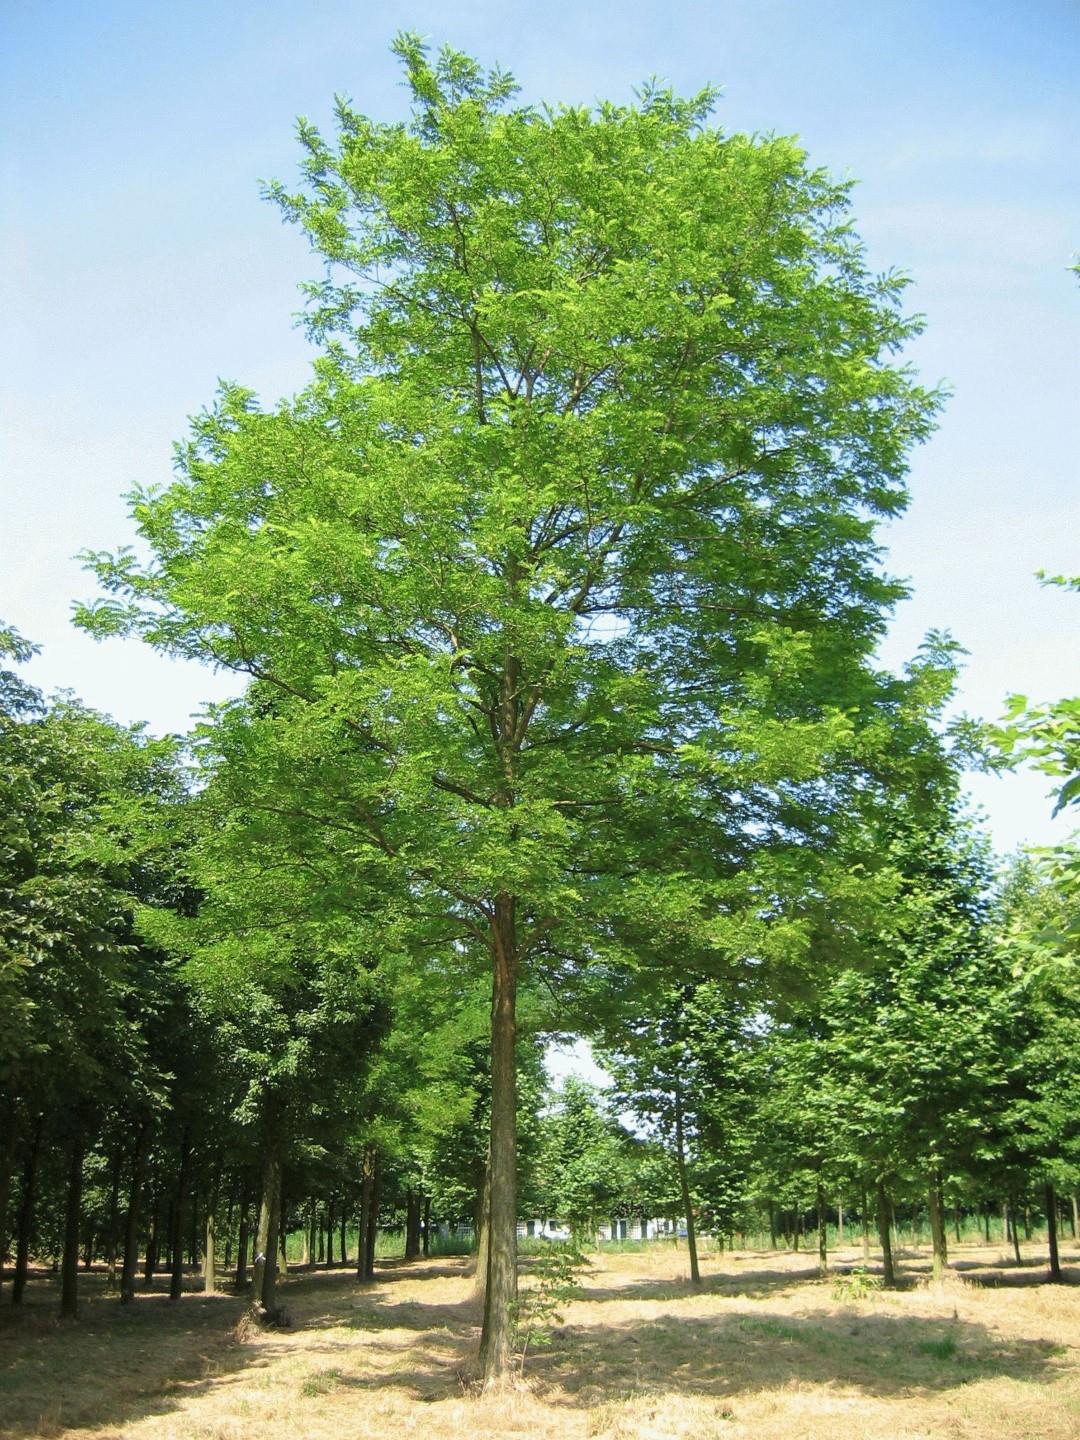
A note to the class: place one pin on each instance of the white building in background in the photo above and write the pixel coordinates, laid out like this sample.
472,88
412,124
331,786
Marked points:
609,1230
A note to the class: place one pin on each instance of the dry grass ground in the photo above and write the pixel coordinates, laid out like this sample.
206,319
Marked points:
763,1350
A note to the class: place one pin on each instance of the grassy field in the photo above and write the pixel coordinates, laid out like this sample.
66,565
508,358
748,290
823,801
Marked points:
764,1350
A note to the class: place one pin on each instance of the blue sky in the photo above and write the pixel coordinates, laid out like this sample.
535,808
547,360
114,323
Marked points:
139,264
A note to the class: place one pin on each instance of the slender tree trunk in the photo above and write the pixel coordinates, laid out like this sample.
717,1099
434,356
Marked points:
266,1243
131,1222
344,1231
320,1258
176,1275
9,1138
1027,1222
772,1226
112,1240
956,1223
25,1218
1075,1218
193,1231
937,1227
885,1236
412,1224
1010,1224
69,1270
367,1181
822,1232
210,1237
684,1185
273,1239
1052,1234
496,1344
226,1259
840,1225
153,1242
426,1233
372,1217
797,1228
242,1238
309,1234
483,1230
865,1213
330,1216
986,1222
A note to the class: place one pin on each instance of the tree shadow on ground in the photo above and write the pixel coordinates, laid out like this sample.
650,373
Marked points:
739,1352
745,1282
121,1364
736,1351
116,1363
1010,1276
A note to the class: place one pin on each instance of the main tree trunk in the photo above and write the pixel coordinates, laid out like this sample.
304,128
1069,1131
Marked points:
496,1345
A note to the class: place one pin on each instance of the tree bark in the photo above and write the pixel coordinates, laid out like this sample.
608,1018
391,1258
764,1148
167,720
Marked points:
131,1222
367,1182
226,1259
309,1235
426,1231
209,1271
482,1216
885,1236
112,1239
840,1225
772,1226
152,1243
69,1269
935,1204
176,1273
273,1240
865,1226
344,1232
9,1138
684,1186
822,1232
243,1237
330,1215
264,1271
496,1344
412,1224
1075,1217
1010,1226
25,1218
193,1231
372,1217
1052,1234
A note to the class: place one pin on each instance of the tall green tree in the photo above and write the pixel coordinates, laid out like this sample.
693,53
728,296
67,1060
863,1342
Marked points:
606,408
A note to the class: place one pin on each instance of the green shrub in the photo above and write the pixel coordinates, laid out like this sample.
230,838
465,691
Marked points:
856,1284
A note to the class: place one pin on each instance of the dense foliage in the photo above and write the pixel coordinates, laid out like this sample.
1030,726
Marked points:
557,595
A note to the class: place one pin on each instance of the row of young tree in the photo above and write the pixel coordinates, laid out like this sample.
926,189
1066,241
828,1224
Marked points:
556,599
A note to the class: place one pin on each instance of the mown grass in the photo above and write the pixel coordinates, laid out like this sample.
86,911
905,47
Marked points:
763,1349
